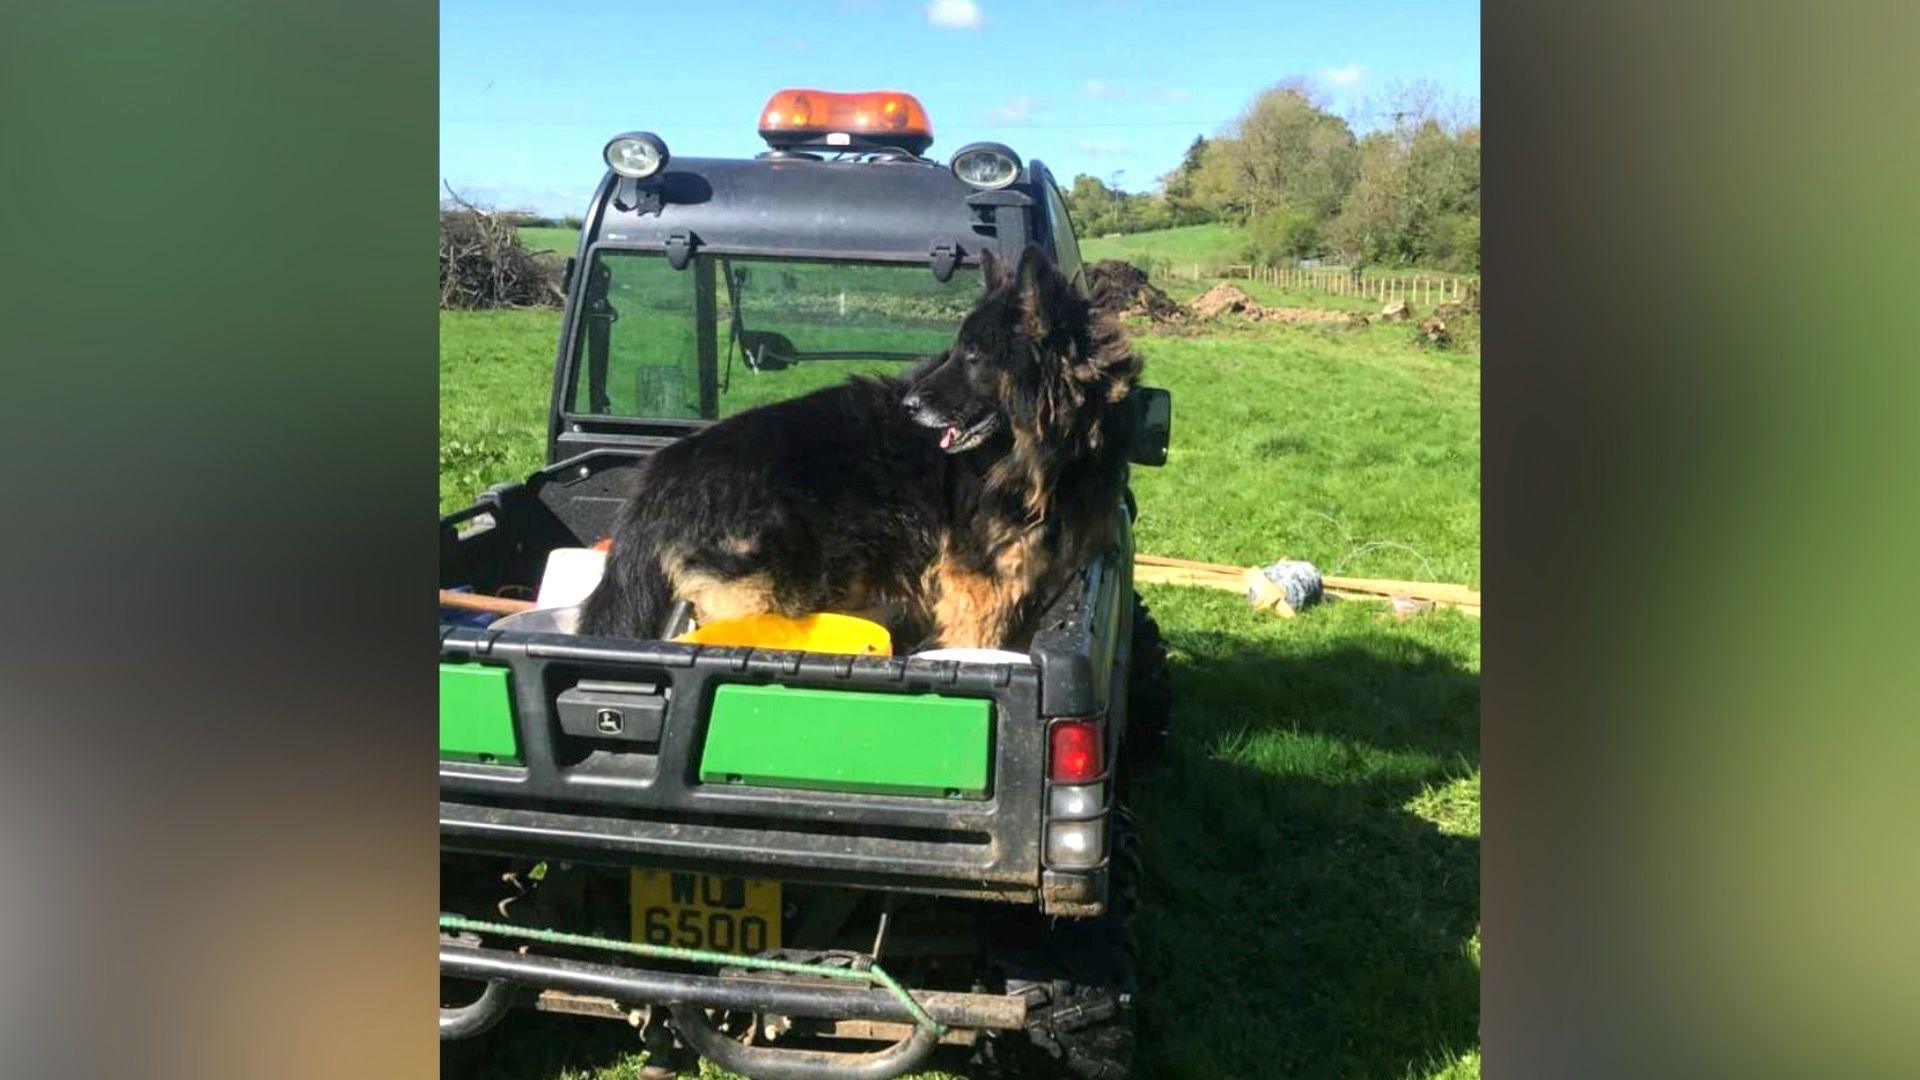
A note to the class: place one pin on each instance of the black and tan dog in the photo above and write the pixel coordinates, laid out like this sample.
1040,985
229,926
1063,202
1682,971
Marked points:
959,497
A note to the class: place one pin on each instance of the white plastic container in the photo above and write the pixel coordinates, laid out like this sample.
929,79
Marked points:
570,576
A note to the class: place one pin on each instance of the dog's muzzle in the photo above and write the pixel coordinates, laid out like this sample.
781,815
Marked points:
955,436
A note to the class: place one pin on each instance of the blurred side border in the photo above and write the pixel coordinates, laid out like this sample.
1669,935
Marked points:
1698,694
218,326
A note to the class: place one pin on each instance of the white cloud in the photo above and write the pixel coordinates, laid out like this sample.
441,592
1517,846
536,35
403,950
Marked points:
1178,93
1102,147
1344,76
954,14
1097,89
1013,112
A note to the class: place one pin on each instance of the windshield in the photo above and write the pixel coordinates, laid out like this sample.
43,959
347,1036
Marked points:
730,332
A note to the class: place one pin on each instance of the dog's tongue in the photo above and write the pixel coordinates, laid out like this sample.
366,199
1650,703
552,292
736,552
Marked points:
949,437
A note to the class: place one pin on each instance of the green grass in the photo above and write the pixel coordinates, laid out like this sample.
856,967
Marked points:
1311,841
1353,449
496,371
1210,245
561,242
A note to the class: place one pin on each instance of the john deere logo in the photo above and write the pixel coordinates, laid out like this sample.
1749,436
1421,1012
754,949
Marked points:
609,721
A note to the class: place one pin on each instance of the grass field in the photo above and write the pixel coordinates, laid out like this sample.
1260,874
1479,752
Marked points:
1311,902
561,242
1208,245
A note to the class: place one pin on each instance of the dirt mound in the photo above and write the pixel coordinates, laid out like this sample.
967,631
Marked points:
1121,288
1225,299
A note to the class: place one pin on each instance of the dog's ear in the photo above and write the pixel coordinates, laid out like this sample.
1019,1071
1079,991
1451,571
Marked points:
992,269
1041,291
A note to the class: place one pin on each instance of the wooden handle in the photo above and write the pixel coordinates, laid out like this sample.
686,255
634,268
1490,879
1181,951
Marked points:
498,605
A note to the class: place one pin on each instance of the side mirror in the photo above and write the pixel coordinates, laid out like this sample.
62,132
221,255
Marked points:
1156,426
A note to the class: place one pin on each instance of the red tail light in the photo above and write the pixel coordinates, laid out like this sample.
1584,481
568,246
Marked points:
1076,752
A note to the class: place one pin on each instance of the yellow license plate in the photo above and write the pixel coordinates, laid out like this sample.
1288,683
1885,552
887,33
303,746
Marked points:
705,911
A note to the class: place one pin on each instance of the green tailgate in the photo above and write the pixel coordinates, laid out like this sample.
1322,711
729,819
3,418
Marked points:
841,740
476,714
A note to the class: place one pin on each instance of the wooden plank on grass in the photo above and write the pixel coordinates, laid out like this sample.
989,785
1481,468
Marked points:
1189,577
1419,590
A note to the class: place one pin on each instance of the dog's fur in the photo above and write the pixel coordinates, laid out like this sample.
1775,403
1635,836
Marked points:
958,498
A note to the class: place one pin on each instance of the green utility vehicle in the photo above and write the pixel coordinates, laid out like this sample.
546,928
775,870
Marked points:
795,864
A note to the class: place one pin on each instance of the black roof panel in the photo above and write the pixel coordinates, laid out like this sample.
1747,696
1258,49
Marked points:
835,209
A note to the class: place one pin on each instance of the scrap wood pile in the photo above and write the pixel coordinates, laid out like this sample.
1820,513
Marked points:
484,265
1225,299
1120,288
1261,589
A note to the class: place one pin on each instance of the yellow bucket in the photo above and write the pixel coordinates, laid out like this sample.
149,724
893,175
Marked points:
825,632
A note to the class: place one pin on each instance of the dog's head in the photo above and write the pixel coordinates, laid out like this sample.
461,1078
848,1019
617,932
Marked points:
1028,361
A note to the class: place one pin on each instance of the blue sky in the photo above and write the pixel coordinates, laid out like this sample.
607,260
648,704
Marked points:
529,92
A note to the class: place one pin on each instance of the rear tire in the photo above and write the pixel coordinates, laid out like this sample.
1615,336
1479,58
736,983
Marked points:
1081,1022
1149,691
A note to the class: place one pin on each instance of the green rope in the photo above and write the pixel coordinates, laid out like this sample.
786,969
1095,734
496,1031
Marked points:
871,976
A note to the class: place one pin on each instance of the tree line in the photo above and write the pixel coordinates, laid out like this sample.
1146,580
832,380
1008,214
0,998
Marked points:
1299,181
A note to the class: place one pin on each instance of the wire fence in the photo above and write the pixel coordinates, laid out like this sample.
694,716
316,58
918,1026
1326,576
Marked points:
1422,290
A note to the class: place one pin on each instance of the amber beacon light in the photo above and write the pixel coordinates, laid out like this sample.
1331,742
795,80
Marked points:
882,117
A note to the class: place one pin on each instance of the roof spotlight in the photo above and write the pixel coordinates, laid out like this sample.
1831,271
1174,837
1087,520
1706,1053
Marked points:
986,165
638,154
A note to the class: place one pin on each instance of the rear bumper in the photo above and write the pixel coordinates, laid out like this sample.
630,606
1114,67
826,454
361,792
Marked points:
797,854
